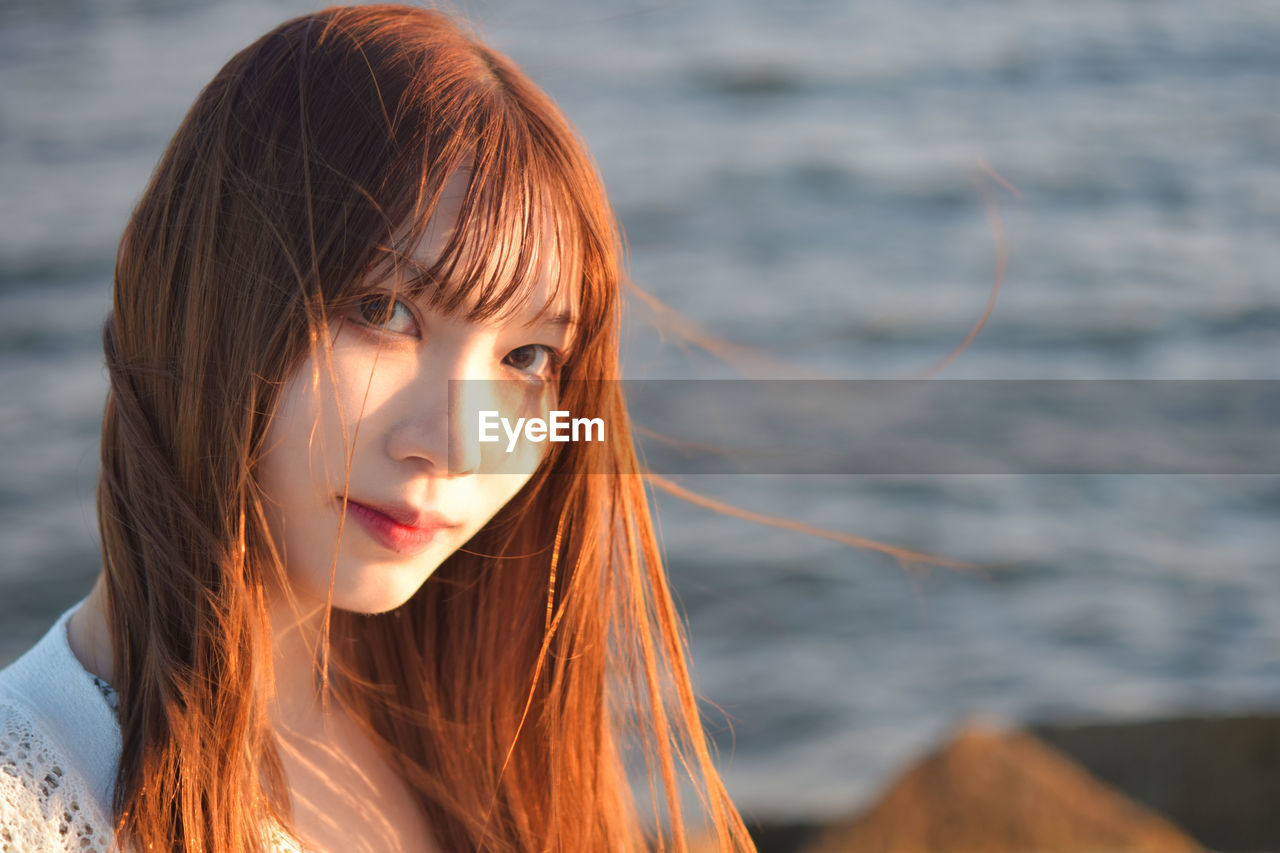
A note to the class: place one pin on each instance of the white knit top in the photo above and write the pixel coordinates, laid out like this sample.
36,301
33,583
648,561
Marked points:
59,747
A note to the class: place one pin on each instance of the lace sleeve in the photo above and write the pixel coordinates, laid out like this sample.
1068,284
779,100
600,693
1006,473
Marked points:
45,808
42,807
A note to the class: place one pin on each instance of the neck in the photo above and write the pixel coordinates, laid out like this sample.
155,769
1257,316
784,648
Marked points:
297,633
296,636
89,636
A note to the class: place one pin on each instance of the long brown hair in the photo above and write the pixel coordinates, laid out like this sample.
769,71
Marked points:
505,690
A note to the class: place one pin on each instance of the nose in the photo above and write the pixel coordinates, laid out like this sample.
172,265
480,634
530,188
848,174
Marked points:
439,420
436,420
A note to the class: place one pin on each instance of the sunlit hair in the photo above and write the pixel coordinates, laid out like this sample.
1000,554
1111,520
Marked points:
504,691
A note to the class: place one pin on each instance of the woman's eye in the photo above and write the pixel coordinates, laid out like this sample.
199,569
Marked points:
537,360
382,312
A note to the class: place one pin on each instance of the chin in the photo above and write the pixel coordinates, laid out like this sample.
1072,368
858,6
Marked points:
372,593
374,604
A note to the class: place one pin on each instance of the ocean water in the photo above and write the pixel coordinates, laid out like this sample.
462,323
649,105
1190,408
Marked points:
830,185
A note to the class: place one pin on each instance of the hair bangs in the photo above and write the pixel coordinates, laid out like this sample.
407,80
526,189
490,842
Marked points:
515,230
524,217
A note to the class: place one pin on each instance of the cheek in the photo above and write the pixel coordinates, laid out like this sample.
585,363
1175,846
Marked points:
307,432
499,489
490,494
283,470
493,430
303,441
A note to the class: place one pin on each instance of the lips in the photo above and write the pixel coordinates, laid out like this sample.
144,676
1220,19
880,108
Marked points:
397,527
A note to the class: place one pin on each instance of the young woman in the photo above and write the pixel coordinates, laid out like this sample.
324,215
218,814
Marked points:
328,617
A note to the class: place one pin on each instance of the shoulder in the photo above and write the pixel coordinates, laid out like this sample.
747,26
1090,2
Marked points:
59,748
44,804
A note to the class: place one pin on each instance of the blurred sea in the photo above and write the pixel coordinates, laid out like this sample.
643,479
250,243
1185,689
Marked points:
805,178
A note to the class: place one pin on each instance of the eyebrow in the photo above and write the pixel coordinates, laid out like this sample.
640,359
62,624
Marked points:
425,279
561,319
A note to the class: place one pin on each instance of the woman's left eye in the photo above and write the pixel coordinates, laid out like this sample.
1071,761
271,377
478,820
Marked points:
535,359
384,313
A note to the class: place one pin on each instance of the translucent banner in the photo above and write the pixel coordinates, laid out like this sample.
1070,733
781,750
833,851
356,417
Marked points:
887,427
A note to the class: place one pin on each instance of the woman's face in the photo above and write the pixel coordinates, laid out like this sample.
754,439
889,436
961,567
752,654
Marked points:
420,483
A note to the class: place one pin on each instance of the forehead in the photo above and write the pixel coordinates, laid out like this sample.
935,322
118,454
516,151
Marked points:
523,256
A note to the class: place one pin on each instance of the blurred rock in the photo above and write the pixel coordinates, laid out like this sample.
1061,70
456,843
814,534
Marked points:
989,791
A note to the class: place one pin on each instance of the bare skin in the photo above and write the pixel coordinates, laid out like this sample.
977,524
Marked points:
345,795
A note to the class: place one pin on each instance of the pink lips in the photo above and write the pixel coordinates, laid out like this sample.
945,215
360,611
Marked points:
397,528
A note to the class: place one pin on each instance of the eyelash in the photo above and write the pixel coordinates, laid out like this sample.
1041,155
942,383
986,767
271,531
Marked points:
382,300
555,358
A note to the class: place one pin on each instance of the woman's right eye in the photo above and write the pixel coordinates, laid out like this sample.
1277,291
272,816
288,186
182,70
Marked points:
386,314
